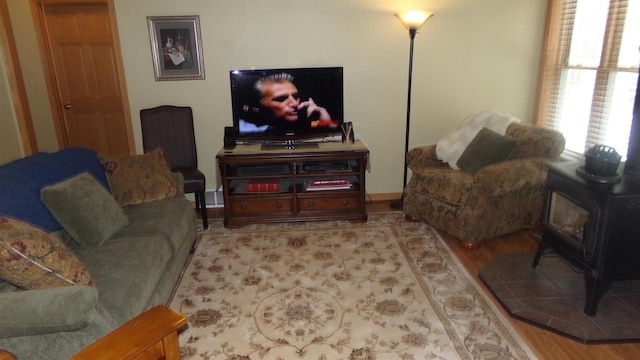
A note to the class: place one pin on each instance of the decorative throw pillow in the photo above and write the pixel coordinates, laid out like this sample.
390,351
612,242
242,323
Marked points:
139,178
488,147
85,209
450,148
33,259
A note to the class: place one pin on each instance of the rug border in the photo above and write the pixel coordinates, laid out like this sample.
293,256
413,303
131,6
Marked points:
504,320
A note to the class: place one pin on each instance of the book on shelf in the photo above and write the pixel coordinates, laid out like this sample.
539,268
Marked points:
310,186
330,181
263,185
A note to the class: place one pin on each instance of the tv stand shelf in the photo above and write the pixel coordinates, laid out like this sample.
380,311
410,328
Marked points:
277,185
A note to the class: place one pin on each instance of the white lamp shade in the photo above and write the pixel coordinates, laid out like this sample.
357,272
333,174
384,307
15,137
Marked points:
413,19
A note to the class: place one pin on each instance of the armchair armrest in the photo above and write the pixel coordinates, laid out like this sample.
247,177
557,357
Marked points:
422,157
153,334
511,175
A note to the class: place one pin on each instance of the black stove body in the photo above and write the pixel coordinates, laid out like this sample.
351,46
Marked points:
594,223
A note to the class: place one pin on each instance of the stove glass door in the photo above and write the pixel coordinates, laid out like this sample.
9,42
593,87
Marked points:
568,218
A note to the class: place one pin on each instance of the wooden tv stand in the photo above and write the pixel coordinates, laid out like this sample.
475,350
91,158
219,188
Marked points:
287,172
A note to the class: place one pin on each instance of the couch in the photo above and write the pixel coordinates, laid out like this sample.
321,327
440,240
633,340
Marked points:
485,201
117,272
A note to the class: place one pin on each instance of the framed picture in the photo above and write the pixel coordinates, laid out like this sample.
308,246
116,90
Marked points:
176,47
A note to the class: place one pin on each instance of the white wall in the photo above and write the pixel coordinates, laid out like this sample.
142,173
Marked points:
471,56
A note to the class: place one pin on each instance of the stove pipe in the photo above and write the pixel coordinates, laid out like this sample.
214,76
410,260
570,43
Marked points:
632,166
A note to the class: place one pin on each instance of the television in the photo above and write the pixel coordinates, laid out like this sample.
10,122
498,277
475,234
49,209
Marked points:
288,104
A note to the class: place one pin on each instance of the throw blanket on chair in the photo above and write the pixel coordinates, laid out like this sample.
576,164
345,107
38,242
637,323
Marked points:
450,147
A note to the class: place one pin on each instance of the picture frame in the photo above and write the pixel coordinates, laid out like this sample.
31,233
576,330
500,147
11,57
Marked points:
176,47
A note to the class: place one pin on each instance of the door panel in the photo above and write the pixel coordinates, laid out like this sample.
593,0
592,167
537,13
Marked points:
85,66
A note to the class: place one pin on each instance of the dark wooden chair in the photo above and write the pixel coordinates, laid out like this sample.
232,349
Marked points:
170,128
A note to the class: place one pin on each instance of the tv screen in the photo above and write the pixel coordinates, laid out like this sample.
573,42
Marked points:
286,104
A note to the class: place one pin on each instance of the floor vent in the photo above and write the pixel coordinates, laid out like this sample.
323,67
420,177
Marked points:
214,198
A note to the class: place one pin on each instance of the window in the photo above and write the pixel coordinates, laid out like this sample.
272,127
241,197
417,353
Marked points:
589,71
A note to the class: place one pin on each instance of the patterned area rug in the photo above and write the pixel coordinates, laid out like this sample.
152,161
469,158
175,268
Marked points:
386,289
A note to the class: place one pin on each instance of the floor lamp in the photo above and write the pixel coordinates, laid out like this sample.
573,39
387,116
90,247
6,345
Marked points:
413,21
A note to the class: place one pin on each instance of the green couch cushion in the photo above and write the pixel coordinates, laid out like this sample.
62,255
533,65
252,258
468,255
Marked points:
43,311
126,272
168,218
486,148
85,209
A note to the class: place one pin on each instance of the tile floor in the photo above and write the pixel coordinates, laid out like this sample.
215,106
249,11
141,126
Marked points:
552,297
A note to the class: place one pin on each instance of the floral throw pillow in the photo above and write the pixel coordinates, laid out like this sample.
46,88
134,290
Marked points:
139,179
32,259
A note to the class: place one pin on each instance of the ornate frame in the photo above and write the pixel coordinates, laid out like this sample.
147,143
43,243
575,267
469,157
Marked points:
176,47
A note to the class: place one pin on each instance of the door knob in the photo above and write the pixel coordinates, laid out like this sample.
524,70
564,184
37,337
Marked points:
67,106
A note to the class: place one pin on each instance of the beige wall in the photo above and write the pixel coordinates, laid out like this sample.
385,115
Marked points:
10,142
10,146
30,61
471,56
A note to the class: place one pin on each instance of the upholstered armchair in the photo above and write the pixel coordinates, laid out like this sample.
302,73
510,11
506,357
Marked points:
498,199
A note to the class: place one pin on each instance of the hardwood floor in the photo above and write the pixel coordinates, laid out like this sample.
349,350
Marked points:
545,344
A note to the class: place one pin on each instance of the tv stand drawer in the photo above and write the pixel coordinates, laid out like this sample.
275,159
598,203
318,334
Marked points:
256,206
333,203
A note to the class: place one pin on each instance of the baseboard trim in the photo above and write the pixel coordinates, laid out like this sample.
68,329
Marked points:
384,196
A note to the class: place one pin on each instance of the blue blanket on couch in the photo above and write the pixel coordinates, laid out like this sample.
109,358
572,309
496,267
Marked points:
21,181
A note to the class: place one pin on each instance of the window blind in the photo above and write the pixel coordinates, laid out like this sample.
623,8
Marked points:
589,71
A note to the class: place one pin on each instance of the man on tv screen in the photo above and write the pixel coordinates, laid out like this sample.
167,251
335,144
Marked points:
282,109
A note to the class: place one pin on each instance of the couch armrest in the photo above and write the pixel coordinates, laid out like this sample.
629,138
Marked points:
151,335
423,156
43,311
510,176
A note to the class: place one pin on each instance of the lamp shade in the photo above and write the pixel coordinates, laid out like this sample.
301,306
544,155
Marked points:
413,19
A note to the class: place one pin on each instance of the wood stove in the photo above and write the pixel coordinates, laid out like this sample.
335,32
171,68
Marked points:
595,225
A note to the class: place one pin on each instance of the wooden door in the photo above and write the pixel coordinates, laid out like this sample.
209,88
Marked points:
90,100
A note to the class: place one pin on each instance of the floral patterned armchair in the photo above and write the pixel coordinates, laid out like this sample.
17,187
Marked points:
498,199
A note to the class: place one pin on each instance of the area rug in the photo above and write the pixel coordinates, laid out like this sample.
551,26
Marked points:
385,289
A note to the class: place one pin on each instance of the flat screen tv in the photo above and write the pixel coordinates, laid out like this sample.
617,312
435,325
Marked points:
287,104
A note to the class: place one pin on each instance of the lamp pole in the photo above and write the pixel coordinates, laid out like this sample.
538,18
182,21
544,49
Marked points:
412,20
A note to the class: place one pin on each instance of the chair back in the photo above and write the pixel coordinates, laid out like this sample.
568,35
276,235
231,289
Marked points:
535,141
170,128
